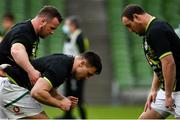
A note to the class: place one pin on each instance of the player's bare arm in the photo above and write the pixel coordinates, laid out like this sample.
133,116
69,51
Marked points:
2,73
74,101
169,73
153,92
2,67
41,92
155,83
18,52
59,96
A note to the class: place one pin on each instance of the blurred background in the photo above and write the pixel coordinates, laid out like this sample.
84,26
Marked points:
121,90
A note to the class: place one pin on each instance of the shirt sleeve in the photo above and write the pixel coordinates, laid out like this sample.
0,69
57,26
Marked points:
54,75
23,39
159,41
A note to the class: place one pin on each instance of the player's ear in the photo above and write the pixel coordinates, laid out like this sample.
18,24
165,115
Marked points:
136,17
43,21
82,62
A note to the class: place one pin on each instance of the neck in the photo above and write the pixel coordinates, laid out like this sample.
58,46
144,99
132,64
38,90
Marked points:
35,24
74,64
147,19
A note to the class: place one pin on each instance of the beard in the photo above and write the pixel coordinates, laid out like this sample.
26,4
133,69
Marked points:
77,77
141,33
41,32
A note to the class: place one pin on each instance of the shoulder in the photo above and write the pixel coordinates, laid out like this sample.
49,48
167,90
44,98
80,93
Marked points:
61,62
55,59
58,56
21,28
159,26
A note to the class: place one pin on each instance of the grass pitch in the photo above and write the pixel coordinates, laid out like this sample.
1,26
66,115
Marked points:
103,112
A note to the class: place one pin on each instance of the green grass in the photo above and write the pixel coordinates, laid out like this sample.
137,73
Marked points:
103,112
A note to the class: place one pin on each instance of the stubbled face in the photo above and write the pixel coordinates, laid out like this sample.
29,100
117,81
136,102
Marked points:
84,71
48,27
134,25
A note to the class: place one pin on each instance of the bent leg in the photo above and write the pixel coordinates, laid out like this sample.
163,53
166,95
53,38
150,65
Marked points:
16,101
150,114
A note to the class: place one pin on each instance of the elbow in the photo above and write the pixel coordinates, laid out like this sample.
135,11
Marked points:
168,62
14,51
172,64
34,93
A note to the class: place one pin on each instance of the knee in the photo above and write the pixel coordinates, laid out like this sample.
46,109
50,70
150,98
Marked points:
142,116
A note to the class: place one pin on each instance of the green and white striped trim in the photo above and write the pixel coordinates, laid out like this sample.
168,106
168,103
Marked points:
165,54
11,79
48,81
14,101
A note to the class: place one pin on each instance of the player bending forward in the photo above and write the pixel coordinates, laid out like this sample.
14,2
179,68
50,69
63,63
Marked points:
19,99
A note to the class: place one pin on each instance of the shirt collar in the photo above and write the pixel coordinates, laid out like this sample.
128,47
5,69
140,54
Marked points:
149,22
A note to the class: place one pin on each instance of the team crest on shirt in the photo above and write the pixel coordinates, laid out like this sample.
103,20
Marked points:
15,109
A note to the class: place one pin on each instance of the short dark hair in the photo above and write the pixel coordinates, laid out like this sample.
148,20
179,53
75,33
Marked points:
131,9
50,12
8,16
74,20
93,59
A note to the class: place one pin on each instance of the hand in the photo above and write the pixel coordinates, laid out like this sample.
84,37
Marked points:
151,98
74,101
65,104
2,73
33,76
169,103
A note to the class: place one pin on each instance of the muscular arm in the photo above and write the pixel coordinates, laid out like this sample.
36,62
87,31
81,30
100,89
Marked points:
19,54
41,92
2,67
74,100
153,93
2,73
155,83
169,73
57,95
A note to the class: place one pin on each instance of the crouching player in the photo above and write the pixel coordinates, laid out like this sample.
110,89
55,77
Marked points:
19,99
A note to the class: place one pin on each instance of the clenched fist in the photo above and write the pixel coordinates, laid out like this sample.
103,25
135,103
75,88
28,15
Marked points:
74,101
65,104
